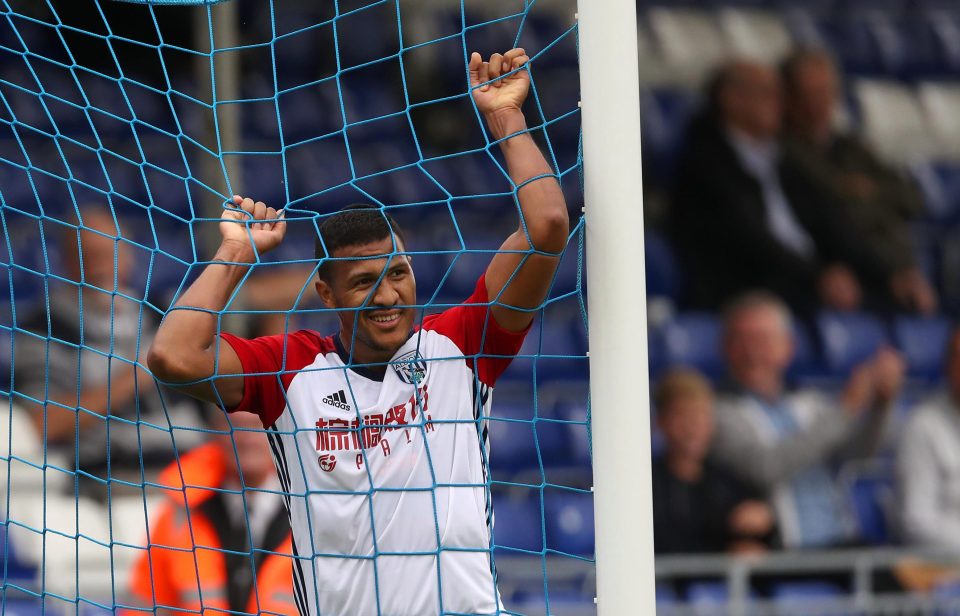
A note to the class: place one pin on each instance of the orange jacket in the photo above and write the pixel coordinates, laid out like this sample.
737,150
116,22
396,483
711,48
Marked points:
186,567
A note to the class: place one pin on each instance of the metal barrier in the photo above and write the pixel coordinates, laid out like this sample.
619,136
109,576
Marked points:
860,565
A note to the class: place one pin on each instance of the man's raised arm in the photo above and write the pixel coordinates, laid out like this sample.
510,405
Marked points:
542,206
186,348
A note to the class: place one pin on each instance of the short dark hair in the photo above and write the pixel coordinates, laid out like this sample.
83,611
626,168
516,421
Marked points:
792,63
354,225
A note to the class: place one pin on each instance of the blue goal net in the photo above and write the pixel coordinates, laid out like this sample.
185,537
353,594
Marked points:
125,129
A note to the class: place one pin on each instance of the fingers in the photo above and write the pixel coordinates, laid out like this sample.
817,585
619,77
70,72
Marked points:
475,61
495,67
510,59
519,61
254,211
484,76
259,213
481,72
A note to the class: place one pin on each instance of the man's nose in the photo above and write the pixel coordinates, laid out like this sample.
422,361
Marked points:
386,294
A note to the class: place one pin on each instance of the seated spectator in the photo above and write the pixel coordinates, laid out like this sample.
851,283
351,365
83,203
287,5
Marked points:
928,465
784,442
697,506
200,557
743,217
74,365
879,202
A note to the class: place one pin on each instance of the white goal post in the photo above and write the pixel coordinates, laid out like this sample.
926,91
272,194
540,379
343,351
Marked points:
619,384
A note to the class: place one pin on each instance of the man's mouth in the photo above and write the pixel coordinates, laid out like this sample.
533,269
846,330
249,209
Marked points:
385,318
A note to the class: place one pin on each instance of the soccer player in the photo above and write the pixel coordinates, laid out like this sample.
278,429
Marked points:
376,431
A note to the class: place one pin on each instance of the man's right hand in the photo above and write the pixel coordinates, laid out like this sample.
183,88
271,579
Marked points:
875,383
259,237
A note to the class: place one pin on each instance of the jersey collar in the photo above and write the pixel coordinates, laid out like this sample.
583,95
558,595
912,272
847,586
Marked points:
373,372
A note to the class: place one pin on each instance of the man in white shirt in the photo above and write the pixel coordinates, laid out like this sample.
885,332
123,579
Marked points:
928,465
378,431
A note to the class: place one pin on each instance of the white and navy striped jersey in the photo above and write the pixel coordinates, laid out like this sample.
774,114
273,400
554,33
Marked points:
385,477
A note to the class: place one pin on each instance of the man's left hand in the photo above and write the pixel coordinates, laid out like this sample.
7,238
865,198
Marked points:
495,89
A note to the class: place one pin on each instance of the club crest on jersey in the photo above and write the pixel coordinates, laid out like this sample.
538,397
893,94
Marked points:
411,368
328,462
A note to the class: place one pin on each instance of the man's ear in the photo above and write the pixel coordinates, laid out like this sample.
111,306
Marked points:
325,291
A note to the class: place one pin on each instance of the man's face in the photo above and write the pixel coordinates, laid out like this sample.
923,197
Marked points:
752,102
687,426
383,288
98,254
758,347
814,95
252,448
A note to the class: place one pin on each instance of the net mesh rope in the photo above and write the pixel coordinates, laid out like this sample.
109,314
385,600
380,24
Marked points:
121,137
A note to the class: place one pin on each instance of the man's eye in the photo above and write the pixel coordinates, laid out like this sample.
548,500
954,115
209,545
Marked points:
398,273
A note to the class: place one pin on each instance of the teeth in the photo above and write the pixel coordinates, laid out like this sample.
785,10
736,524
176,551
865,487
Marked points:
385,319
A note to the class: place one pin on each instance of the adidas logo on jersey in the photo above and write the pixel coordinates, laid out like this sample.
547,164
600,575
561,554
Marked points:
338,400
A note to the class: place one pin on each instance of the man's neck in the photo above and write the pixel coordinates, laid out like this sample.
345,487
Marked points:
356,354
741,136
768,392
685,469
817,137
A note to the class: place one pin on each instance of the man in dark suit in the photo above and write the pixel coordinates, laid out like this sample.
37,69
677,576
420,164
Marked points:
878,199
744,216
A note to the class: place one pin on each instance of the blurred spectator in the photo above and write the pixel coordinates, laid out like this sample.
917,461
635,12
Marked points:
200,556
697,506
878,201
928,464
783,442
744,217
73,363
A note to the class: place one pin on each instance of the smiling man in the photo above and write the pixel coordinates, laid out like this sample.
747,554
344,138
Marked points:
377,431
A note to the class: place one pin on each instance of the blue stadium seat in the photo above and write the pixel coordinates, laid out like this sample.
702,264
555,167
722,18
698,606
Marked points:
923,343
949,590
662,269
24,607
693,339
709,596
15,570
569,518
553,441
566,279
656,352
869,492
806,362
561,603
940,185
666,596
852,41
512,445
912,48
518,442
791,595
944,19
517,524
847,339
664,116
572,409
430,269
559,339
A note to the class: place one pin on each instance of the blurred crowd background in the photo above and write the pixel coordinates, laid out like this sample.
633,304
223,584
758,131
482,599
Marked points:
800,173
